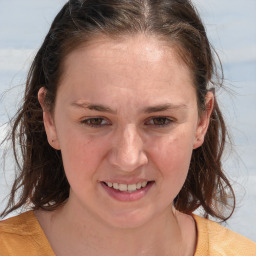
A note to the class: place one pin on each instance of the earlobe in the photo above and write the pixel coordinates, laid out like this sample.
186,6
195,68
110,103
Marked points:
49,124
204,120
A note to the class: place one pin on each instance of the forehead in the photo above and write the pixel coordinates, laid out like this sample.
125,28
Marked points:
126,52
133,64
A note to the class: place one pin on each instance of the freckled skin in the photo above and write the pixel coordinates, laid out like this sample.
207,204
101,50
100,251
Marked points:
127,76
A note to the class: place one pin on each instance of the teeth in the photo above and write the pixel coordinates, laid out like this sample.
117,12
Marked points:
123,187
138,186
127,188
131,187
144,184
115,186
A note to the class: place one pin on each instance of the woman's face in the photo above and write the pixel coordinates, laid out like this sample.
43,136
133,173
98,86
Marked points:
126,122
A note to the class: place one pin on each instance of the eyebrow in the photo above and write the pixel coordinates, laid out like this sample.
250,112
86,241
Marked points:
148,110
96,107
164,107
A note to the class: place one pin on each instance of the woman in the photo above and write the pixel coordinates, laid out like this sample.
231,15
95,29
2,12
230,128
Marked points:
121,138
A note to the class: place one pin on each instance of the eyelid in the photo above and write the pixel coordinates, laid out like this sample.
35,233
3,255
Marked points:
86,121
168,119
106,122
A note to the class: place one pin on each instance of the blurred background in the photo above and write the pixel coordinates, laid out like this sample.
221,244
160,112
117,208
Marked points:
231,27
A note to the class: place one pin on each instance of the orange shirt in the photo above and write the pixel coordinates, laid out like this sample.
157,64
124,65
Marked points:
23,236
216,240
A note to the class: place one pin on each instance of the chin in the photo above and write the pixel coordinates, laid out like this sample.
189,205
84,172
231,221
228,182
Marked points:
128,219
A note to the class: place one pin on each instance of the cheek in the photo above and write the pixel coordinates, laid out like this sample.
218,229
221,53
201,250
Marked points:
172,161
172,156
81,155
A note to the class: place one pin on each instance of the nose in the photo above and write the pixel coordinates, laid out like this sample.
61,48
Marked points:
127,153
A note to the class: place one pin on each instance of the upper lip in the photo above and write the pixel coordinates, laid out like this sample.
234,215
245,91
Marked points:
128,182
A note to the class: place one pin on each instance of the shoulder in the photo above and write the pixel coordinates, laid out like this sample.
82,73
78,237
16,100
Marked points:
219,241
23,235
21,225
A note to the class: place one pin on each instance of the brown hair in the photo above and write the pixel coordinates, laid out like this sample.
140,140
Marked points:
41,176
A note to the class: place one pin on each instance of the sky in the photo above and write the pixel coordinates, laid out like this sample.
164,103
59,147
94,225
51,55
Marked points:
231,30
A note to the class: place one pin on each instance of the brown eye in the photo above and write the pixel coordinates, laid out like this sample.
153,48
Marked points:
95,122
159,121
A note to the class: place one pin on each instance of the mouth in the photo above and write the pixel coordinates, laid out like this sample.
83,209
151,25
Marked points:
127,192
127,187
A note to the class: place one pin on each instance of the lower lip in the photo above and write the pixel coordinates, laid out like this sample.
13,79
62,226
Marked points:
127,196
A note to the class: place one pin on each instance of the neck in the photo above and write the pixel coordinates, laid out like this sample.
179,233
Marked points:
79,232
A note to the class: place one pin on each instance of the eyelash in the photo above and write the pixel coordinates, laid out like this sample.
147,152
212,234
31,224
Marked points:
165,121
89,120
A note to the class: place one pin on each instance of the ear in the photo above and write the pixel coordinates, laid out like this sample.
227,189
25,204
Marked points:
204,120
48,119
